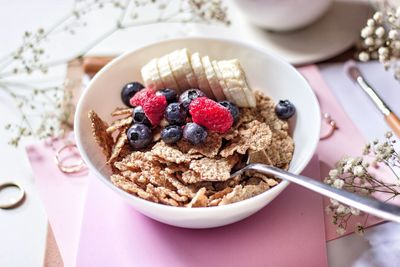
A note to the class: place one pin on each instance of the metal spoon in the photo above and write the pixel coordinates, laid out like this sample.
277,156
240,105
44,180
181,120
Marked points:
369,205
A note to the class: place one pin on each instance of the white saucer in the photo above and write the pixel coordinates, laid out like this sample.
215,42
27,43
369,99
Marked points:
335,32
331,35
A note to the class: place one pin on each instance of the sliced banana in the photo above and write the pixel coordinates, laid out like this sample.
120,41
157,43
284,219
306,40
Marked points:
236,92
200,74
235,77
188,69
212,79
222,83
178,71
151,76
166,73
233,94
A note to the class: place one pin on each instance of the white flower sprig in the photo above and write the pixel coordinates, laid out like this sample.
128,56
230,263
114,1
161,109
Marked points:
381,38
353,174
30,56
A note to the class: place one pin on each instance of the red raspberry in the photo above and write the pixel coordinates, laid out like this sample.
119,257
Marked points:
154,108
211,115
140,97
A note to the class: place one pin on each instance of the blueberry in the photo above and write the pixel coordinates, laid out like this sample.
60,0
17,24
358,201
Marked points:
139,116
129,90
171,134
175,114
186,97
284,109
233,109
170,94
194,133
139,136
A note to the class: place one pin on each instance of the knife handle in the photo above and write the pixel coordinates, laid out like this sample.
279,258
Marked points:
394,123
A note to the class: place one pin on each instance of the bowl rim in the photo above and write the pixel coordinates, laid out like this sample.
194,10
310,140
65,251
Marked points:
232,206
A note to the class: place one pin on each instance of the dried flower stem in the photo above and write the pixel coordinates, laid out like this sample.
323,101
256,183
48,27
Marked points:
28,57
352,174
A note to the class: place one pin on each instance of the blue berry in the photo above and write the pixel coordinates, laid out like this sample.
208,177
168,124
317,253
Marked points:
129,90
233,109
284,109
175,114
170,94
171,134
139,116
139,136
194,133
186,97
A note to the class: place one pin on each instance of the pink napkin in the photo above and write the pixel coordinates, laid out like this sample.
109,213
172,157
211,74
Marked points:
63,197
288,232
347,140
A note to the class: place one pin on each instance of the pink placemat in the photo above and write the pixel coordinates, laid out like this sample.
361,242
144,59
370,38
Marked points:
64,197
347,140
288,232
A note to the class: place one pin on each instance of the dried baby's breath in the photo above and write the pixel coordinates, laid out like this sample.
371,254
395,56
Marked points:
354,175
46,108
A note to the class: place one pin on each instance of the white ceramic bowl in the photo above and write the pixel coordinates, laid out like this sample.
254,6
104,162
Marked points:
266,72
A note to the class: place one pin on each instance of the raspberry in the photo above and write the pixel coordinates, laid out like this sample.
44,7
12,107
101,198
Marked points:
154,108
211,115
140,97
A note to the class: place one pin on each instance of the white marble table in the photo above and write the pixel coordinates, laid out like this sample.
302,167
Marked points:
23,230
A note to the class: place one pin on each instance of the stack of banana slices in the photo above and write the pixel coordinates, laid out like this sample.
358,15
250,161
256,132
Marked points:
181,70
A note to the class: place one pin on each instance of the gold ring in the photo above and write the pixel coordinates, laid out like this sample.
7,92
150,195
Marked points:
14,202
71,168
332,126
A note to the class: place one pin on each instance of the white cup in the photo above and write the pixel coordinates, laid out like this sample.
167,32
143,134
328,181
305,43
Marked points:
283,15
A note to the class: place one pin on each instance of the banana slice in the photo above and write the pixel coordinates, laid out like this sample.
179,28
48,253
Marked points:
200,74
221,81
175,61
166,74
235,77
212,79
187,68
236,93
151,76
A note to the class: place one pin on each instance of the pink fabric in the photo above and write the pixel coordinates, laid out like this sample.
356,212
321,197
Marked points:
288,232
63,197
347,140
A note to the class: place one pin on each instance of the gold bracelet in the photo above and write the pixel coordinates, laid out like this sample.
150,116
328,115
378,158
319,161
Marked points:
15,202
71,168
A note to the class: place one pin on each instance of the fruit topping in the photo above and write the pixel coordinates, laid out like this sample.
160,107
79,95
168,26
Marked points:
175,114
171,134
154,108
139,98
233,109
129,90
170,94
211,115
139,136
186,97
139,116
284,109
194,133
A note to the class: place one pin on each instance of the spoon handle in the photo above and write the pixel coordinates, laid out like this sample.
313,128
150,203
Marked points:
368,205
